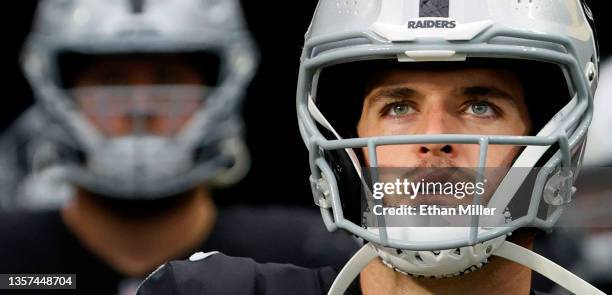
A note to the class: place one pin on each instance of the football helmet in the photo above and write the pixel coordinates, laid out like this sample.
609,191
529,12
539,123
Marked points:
205,143
347,39
599,145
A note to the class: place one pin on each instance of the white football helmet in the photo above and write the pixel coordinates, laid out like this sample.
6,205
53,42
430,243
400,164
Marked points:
551,43
206,148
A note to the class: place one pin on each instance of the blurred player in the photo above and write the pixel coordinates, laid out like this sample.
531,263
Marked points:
142,100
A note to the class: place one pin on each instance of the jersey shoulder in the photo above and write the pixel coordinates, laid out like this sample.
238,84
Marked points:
216,273
291,235
35,241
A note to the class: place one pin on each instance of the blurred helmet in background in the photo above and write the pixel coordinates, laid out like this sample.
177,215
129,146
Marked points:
148,92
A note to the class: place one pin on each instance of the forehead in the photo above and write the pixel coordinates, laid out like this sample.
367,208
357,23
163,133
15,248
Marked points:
446,79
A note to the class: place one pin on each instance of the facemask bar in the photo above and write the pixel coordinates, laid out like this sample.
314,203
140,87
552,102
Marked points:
237,67
212,171
567,136
173,105
322,170
217,125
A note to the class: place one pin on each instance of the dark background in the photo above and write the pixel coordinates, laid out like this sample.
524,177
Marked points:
279,161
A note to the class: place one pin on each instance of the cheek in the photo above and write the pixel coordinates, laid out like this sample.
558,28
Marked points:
118,127
386,127
167,126
468,155
110,126
396,156
497,155
391,156
501,155
371,124
507,126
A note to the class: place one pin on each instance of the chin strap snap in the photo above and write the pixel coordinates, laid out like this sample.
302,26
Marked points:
508,250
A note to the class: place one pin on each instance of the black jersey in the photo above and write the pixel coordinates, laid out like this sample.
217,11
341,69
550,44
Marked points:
218,274
39,243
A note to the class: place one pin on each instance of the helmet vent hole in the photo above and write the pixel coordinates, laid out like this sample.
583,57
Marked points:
457,251
418,257
436,252
137,6
399,251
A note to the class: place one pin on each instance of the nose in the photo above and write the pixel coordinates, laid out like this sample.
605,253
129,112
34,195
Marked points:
437,121
436,150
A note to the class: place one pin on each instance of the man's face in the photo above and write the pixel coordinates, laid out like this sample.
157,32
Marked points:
468,101
144,102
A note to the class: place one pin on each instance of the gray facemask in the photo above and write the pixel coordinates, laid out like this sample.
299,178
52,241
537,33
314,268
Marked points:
142,160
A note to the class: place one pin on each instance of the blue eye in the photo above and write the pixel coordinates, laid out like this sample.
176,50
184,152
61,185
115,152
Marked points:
481,108
400,110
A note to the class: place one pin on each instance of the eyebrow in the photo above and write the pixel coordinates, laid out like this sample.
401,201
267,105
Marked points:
491,91
393,93
402,92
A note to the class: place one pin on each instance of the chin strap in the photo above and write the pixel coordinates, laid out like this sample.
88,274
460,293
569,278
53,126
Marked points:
352,268
545,267
508,250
